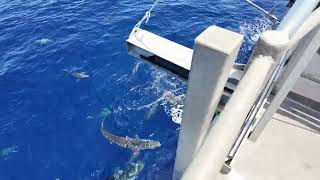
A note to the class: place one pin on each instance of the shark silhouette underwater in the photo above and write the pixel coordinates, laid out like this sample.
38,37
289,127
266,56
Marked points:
131,172
134,144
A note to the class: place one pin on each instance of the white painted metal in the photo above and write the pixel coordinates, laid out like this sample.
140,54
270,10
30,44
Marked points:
221,136
273,43
164,48
215,52
310,23
298,62
296,16
144,44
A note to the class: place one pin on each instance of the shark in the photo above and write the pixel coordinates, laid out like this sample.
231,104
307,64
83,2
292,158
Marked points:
172,98
131,172
134,144
151,111
78,75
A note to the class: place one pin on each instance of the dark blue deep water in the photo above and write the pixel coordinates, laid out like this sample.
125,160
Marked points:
50,121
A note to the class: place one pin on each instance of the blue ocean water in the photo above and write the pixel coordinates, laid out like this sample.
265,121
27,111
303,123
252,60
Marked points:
50,120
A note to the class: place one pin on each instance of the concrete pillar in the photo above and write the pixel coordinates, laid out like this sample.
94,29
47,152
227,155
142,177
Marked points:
211,156
296,16
274,44
303,54
214,54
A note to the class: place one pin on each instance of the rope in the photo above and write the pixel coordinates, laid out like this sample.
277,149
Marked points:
270,16
145,18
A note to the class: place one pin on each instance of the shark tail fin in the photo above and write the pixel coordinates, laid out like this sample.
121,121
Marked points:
135,154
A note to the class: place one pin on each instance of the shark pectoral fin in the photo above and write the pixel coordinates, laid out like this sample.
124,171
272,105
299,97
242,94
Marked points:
65,70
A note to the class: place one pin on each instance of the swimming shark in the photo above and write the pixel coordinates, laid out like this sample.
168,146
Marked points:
172,98
78,75
131,172
134,144
151,111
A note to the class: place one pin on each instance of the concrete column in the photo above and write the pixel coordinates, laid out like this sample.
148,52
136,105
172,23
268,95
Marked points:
214,54
211,156
296,16
303,54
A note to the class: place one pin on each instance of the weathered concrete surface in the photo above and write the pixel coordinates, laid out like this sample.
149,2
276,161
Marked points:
307,88
210,158
288,148
215,52
308,84
312,72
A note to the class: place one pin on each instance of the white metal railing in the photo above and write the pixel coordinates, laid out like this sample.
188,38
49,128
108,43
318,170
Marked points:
295,17
271,48
308,42
214,54
211,156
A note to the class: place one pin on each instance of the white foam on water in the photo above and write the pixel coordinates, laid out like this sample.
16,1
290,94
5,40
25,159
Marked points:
153,92
252,31
176,113
174,110
43,41
136,67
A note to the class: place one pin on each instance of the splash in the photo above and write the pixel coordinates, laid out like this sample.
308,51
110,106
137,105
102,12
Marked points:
252,31
136,67
176,113
148,96
174,106
43,41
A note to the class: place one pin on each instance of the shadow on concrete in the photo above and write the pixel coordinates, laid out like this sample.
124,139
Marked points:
301,114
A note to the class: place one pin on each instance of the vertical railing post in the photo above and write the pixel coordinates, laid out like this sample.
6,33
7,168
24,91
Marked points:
214,54
296,16
210,158
298,62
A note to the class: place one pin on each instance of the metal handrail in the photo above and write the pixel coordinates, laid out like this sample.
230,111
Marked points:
296,15
219,141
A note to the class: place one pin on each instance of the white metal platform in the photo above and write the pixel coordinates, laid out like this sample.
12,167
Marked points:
169,55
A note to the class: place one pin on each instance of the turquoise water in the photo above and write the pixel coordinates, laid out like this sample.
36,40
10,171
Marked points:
64,67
